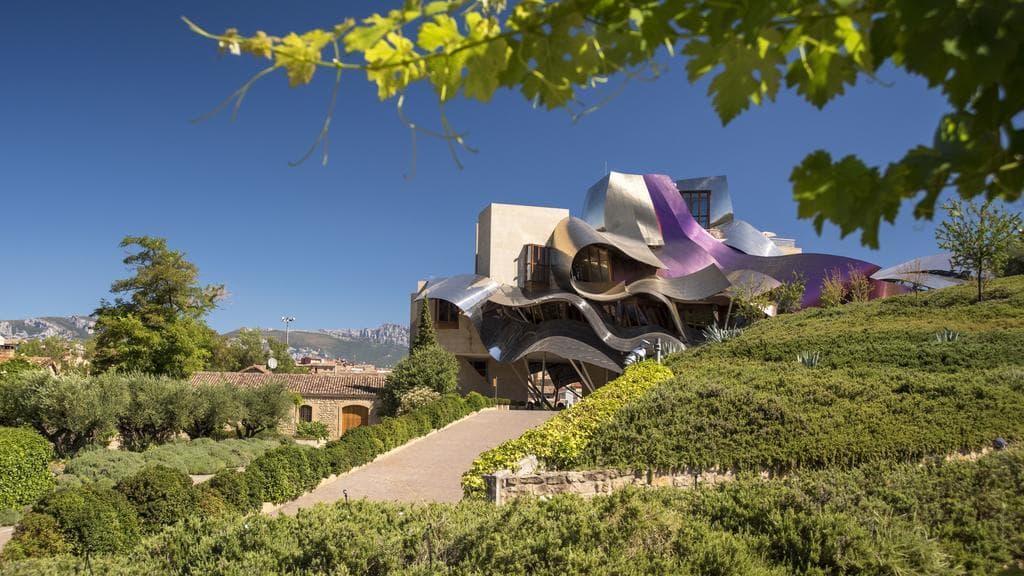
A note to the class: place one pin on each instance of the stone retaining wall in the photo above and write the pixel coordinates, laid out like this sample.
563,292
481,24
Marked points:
504,485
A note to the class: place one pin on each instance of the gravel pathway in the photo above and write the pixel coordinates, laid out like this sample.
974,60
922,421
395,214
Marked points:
429,469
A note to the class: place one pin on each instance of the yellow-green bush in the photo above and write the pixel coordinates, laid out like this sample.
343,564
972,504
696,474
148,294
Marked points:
24,460
559,442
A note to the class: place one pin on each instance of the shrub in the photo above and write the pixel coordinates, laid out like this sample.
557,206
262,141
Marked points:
92,519
416,398
788,296
161,495
10,516
24,461
833,291
477,401
281,474
808,359
233,488
314,430
429,366
36,535
209,503
860,286
715,335
560,442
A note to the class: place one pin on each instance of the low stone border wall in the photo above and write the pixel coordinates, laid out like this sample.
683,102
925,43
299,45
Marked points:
504,485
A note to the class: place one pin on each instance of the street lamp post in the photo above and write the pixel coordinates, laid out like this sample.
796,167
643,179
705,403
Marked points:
287,320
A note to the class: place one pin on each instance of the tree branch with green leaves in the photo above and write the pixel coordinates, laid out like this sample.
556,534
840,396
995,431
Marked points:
554,51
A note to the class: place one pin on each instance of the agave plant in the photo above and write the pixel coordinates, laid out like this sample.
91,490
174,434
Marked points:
947,335
808,359
717,335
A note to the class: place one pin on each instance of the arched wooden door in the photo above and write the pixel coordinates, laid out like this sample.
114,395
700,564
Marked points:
354,417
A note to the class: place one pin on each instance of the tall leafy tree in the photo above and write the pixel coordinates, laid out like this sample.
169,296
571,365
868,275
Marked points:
156,322
425,335
978,237
554,51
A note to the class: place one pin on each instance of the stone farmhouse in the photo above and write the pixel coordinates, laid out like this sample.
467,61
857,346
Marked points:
340,401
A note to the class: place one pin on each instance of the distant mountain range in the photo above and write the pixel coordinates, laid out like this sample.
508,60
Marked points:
382,346
67,327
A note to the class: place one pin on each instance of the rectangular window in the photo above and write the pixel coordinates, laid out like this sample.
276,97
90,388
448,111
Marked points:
699,203
536,266
446,315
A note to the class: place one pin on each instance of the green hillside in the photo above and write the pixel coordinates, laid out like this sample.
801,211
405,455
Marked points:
884,389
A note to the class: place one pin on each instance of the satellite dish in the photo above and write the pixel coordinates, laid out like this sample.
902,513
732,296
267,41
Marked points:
272,363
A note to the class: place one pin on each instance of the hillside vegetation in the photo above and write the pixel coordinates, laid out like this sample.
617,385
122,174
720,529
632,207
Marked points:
885,388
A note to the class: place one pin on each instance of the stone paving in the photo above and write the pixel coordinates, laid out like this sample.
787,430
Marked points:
5,535
429,469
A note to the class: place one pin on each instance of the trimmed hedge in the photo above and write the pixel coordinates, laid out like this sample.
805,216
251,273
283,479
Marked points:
24,467
559,442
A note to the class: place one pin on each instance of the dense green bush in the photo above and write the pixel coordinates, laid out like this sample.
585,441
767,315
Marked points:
314,430
161,495
233,487
477,401
429,366
560,441
91,519
24,466
36,535
284,473
884,389
202,456
879,519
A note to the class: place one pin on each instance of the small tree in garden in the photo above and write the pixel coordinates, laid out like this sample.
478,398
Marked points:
859,285
430,367
788,296
832,289
425,335
158,408
212,408
262,408
978,237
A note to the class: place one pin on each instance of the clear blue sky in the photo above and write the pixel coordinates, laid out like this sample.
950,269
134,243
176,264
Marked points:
96,144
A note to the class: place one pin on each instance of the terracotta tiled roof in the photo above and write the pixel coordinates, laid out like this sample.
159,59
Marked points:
307,385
